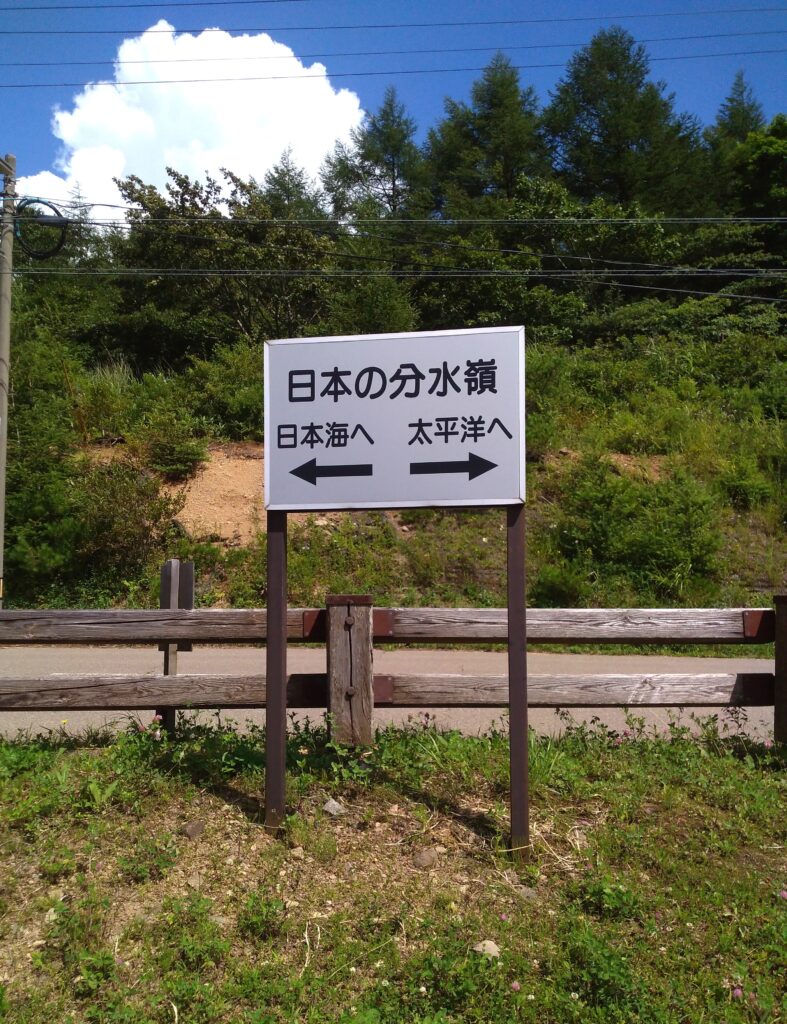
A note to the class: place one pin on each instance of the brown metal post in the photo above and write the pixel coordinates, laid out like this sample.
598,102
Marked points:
780,670
517,681
350,668
276,672
168,598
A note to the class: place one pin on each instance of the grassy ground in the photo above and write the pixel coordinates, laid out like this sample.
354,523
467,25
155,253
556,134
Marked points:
139,886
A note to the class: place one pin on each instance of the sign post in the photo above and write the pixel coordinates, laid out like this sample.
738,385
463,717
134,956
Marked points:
396,421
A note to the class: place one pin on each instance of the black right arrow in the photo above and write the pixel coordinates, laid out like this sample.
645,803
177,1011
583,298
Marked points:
474,466
310,471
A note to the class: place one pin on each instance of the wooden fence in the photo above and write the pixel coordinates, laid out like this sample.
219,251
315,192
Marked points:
349,626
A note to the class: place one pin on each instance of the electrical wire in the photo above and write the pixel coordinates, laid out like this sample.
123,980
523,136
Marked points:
321,76
415,221
377,53
605,276
646,269
387,26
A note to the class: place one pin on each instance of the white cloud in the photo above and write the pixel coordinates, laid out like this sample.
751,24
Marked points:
119,128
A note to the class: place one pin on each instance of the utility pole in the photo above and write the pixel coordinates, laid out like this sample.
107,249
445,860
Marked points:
8,168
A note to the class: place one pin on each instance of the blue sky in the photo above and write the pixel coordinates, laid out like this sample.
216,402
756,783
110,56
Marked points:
136,129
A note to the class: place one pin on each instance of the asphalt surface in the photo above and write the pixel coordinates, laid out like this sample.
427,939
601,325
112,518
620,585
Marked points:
37,661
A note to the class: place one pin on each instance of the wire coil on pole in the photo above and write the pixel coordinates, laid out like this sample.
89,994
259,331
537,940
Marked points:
25,214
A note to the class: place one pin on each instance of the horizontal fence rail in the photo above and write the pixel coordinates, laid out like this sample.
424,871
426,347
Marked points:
395,625
350,689
138,692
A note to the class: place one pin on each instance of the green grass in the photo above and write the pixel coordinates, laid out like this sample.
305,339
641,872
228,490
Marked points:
656,890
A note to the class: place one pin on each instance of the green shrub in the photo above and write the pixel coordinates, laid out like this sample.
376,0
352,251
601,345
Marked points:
169,445
744,484
107,401
109,537
663,534
559,585
227,389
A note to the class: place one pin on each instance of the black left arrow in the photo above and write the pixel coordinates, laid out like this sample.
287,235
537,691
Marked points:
310,471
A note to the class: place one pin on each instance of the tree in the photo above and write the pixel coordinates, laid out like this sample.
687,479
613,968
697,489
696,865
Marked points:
289,193
381,167
477,153
740,113
615,135
249,274
760,168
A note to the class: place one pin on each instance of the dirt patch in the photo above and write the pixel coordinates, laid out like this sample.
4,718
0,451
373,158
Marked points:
224,500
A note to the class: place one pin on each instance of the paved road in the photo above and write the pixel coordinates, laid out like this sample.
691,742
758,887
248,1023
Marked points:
35,661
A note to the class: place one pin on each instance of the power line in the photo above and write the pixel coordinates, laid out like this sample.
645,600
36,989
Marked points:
643,269
351,222
417,221
377,53
345,74
402,24
603,275
333,275
157,3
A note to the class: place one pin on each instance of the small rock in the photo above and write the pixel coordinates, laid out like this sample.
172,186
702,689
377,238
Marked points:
297,853
192,829
425,859
487,948
193,881
334,808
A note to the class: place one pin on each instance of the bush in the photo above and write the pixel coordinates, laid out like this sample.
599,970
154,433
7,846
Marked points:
110,538
108,396
663,534
227,389
744,484
168,443
559,585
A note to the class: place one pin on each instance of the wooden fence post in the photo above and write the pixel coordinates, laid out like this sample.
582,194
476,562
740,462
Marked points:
780,671
350,671
176,591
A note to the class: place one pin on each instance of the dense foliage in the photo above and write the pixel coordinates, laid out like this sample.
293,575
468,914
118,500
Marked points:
611,225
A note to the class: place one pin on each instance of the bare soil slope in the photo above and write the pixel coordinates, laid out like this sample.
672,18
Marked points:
225,497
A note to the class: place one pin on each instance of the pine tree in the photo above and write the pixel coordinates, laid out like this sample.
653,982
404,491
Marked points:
381,167
614,134
289,193
479,151
740,113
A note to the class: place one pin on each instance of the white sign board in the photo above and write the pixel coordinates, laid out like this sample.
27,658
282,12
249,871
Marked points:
395,420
